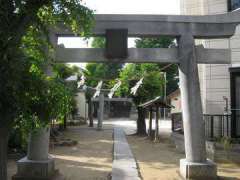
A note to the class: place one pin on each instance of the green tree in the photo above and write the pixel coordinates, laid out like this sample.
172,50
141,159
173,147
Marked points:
20,18
33,46
61,73
96,72
153,79
160,42
98,42
102,71
64,71
151,87
172,69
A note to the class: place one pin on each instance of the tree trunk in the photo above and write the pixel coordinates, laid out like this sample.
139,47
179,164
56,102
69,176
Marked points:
65,122
90,114
3,152
141,124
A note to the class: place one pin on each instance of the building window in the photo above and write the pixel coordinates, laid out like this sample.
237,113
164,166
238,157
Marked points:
233,5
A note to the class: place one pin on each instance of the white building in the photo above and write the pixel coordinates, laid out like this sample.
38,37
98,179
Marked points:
81,101
219,83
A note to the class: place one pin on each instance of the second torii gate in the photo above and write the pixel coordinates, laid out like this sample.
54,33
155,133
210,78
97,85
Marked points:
117,28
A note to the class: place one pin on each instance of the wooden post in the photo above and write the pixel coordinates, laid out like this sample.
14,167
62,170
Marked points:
90,113
150,122
100,111
65,122
156,124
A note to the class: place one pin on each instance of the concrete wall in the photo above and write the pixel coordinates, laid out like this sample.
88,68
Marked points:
214,79
81,104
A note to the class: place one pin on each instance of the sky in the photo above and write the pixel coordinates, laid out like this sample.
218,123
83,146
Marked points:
123,7
134,6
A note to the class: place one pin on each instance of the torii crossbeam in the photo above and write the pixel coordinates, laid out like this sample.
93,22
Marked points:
187,55
209,26
142,55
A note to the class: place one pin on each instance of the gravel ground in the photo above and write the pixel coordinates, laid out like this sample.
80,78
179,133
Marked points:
160,161
90,159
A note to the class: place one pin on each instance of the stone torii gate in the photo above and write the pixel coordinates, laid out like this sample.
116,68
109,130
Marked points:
116,29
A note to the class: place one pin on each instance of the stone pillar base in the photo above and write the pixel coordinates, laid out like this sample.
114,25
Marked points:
36,170
198,171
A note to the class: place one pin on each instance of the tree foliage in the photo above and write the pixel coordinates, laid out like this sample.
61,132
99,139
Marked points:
102,71
152,82
64,71
160,42
151,87
43,97
98,42
24,28
172,70
27,94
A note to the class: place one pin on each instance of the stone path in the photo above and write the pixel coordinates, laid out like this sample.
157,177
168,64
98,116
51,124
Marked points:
124,164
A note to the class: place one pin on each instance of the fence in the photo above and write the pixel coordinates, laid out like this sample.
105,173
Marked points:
216,125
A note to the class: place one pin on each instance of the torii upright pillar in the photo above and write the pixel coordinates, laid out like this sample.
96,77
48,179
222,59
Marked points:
196,164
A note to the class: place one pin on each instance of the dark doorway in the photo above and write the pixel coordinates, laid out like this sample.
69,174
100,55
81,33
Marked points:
235,101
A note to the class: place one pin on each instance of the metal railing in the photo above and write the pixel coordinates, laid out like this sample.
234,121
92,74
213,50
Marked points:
216,126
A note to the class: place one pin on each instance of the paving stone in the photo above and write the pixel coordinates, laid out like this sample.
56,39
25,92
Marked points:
124,164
